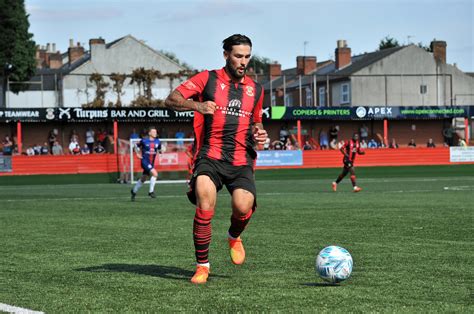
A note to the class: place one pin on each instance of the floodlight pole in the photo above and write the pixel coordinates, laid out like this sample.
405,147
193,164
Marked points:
385,132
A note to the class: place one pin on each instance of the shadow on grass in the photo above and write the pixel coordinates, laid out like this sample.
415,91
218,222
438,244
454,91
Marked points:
167,272
320,284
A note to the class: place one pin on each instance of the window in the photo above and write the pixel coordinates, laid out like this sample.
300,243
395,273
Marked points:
309,97
273,99
289,100
322,96
423,89
345,93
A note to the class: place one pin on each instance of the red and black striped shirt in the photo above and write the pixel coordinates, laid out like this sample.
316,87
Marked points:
352,148
227,134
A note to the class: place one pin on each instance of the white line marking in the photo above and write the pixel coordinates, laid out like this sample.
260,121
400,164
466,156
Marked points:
17,310
458,188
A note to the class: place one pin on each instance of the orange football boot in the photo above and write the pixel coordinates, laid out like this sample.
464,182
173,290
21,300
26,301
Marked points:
237,251
357,189
201,274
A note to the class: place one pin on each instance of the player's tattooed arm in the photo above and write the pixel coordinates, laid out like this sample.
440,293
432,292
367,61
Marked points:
176,101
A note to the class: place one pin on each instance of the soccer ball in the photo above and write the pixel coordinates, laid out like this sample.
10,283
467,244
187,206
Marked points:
334,264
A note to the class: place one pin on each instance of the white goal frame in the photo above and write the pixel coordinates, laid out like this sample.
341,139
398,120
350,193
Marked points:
134,148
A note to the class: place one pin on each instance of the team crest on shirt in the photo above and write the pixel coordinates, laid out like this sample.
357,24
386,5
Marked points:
222,86
249,91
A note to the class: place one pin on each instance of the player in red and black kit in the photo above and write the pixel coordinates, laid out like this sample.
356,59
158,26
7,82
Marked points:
227,126
349,150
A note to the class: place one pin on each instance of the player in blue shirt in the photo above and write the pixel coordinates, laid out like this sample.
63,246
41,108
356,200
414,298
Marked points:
146,150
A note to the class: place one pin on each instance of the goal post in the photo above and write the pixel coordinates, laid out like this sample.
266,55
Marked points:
172,163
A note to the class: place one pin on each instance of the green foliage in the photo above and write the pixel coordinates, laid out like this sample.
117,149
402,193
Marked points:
100,91
260,64
17,45
87,248
388,42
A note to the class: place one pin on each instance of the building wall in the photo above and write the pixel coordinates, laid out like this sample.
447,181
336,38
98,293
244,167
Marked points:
405,90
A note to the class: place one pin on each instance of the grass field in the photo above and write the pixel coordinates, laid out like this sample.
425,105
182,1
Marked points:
77,248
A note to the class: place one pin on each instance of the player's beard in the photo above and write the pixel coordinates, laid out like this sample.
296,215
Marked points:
233,72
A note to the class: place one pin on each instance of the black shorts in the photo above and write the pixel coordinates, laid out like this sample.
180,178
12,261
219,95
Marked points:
348,163
223,173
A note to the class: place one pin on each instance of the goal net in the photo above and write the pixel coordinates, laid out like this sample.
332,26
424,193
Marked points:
172,164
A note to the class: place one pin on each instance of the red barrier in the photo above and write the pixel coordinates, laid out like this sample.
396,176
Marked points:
68,164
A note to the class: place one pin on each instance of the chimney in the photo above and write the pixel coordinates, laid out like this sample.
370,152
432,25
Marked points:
53,49
74,52
55,60
48,47
439,50
97,48
343,54
71,43
274,69
305,65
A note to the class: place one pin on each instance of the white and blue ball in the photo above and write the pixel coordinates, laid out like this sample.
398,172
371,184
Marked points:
334,264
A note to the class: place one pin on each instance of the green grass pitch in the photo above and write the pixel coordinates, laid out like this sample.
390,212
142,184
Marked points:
87,248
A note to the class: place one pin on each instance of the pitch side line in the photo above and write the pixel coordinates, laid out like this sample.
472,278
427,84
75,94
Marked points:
17,310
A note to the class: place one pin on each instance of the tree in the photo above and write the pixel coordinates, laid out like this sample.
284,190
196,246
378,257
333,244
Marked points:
388,42
17,52
259,64
100,91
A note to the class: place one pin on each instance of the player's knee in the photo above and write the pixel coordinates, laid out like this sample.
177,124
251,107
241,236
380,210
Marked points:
242,202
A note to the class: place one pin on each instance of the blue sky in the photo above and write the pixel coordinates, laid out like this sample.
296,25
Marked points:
194,30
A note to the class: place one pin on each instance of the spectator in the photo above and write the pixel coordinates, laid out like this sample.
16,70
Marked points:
284,134
307,146
45,149
412,143
364,132
102,137
334,133
430,143
109,143
74,135
30,151
37,149
289,145
333,144
90,138
57,149
372,144
7,145
448,134
179,135
74,147
277,145
363,144
134,134
462,142
52,137
266,145
99,149
323,139
393,144
85,150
